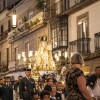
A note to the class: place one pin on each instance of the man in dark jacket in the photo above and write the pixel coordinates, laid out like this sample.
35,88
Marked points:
27,86
16,88
7,89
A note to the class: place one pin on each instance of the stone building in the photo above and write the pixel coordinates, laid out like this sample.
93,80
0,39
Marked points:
70,25
74,27
25,37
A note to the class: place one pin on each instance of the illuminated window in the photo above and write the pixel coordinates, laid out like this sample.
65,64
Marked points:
16,53
83,31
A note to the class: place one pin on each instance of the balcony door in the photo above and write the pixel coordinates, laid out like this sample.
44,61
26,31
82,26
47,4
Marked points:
83,33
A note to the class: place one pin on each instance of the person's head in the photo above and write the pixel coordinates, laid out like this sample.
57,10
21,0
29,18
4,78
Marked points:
28,72
1,81
8,79
50,81
49,76
44,95
19,77
53,91
97,70
77,59
59,86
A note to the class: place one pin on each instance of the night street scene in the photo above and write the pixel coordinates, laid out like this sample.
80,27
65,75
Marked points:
49,49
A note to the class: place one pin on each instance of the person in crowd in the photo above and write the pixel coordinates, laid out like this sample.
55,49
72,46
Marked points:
60,94
7,89
58,75
16,88
93,83
76,81
53,93
27,86
1,82
44,95
49,84
54,78
49,75
40,85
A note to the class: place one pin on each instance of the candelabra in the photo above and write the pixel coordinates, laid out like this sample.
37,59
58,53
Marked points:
24,60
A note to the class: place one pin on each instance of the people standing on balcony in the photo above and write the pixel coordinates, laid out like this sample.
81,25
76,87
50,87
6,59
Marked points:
16,88
27,86
75,80
7,89
93,83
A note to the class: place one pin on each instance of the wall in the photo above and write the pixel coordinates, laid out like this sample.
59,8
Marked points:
94,23
3,48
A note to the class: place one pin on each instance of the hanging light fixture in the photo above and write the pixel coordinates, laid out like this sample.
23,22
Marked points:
14,18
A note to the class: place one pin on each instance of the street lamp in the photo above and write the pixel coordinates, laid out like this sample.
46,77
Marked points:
14,19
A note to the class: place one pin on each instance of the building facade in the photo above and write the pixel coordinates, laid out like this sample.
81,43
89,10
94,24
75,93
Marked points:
75,28
22,39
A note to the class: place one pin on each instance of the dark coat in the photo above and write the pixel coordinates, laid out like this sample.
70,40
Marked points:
0,91
91,81
58,96
7,92
27,88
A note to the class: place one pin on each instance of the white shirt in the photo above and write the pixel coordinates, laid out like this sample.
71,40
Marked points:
96,91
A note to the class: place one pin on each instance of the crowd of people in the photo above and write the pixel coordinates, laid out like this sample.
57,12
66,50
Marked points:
73,85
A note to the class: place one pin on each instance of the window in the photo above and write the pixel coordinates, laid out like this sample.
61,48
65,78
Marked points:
2,29
97,41
7,52
59,32
9,25
4,4
16,53
83,40
30,15
27,48
83,24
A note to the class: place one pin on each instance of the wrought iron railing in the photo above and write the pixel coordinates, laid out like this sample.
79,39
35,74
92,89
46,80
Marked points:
81,45
97,41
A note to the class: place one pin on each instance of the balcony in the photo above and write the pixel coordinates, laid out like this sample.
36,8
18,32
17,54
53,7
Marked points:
81,45
26,28
63,7
97,41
